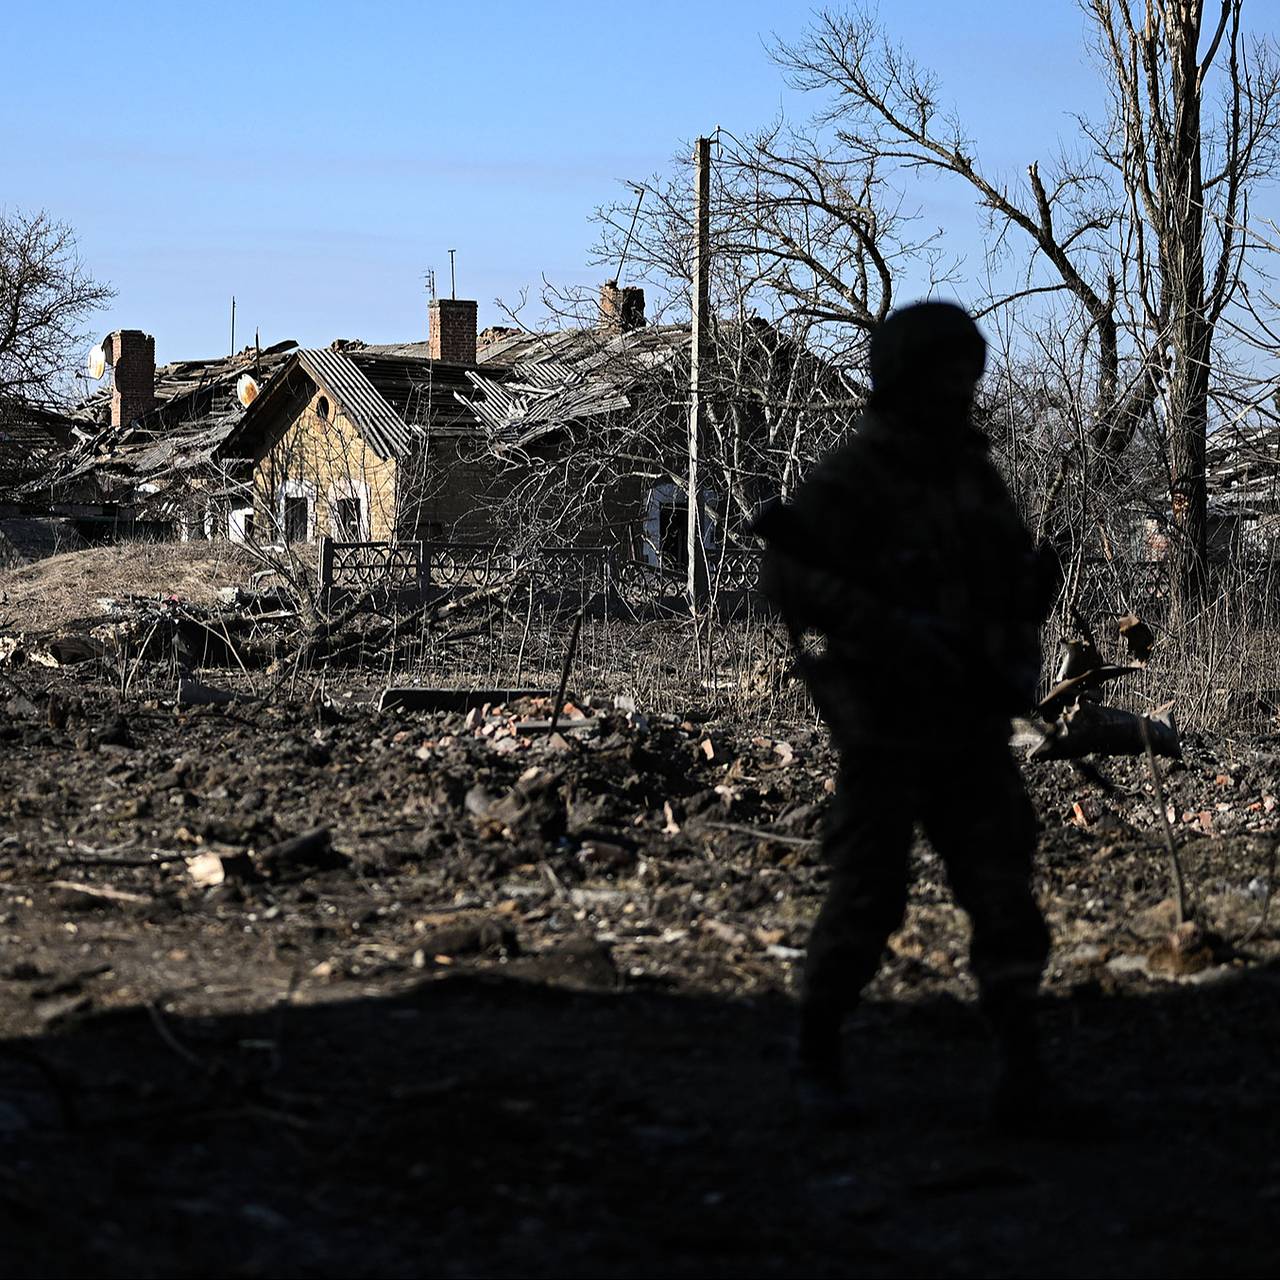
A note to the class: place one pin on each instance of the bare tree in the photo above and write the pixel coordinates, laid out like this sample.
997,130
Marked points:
803,235
1187,178
798,230
1143,230
608,465
46,294
807,246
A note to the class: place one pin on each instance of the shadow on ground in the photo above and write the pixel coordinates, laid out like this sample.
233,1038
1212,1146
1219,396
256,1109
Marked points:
483,1125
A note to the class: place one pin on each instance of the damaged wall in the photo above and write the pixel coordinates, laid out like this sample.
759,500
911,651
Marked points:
322,460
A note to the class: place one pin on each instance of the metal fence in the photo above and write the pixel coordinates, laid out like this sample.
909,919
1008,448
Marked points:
348,569
590,572
474,564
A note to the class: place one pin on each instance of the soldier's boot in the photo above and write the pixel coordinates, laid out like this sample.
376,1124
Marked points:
1028,1101
818,1076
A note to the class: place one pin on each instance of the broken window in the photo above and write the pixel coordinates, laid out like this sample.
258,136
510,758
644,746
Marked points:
665,536
346,519
297,522
673,535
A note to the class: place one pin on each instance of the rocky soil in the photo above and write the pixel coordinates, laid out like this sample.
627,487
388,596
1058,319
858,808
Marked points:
303,988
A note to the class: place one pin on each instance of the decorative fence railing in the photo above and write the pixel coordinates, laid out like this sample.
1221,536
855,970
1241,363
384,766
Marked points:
348,568
587,570
1101,588
354,568
475,564
736,571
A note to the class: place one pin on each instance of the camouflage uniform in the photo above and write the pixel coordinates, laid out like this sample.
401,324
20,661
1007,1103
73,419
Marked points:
905,554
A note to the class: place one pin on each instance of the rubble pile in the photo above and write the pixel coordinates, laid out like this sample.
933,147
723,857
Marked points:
244,628
685,847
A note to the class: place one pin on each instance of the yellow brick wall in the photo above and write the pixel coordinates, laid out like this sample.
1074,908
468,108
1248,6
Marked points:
323,457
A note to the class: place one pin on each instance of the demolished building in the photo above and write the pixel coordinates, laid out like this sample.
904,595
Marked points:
439,440
143,444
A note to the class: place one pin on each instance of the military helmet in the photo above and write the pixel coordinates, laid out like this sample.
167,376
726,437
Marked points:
922,337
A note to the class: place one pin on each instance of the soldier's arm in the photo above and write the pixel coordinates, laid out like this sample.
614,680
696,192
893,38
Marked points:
860,622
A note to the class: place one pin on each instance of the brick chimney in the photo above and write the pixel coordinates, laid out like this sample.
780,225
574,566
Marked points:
132,356
452,324
621,309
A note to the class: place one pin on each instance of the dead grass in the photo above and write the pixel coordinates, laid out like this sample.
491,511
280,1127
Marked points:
53,592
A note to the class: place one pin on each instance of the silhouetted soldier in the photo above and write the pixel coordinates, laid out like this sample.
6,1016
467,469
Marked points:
905,559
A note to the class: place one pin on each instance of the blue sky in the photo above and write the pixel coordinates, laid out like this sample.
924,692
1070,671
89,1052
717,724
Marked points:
315,159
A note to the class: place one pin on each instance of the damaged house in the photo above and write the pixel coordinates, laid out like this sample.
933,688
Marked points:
441,440
576,437
337,443
144,443
572,438
33,439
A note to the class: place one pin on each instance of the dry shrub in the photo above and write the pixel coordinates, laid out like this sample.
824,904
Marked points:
1217,665
51,593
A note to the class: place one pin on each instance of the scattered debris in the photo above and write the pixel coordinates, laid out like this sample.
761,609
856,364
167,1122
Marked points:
1139,639
311,851
1089,727
397,698
76,894
193,693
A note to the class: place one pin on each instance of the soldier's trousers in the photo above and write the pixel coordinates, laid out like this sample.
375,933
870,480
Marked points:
975,811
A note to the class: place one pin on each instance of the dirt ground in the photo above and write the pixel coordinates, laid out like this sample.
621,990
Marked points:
524,1010
63,589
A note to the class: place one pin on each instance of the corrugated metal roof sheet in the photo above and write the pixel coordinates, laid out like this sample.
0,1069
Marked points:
420,391
651,344
539,396
385,430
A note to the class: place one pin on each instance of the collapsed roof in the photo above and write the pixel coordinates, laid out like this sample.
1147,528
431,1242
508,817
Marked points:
389,397
548,380
196,407
32,439
1243,464
523,385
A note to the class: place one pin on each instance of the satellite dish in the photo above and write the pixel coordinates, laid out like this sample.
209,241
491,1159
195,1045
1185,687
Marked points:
97,362
246,390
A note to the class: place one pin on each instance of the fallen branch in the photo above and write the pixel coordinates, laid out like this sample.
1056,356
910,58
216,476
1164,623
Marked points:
1091,727
564,674
103,891
742,829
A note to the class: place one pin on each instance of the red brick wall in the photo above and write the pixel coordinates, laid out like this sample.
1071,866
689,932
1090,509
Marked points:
452,323
621,309
132,354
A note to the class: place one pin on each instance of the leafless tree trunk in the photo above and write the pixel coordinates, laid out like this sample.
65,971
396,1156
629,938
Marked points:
1187,179
1144,234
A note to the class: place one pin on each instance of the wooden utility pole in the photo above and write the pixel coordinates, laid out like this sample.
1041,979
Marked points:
696,583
